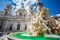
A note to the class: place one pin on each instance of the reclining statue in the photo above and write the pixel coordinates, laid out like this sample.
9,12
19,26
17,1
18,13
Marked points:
42,23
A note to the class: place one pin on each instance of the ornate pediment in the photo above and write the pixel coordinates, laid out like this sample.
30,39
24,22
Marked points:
21,12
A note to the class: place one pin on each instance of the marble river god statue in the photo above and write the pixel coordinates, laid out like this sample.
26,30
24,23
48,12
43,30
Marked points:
42,23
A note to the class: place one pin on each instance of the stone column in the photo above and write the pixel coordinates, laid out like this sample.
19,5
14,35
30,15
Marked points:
15,25
28,26
7,25
22,25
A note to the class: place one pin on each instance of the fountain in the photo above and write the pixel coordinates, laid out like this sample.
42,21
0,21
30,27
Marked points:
43,27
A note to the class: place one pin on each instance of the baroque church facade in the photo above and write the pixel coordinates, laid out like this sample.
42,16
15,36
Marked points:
14,23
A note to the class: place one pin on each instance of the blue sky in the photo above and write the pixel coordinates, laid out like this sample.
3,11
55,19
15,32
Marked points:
52,5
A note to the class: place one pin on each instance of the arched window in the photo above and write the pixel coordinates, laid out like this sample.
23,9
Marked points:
25,27
1,24
10,27
20,14
18,27
6,13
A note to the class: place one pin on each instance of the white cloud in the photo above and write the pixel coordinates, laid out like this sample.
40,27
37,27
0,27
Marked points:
51,16
55,15
27,3
17,2
58,15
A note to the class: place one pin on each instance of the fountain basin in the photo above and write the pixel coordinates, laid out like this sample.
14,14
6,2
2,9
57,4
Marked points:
25,36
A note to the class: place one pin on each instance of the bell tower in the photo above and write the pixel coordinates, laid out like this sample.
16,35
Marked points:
31,9
8,9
